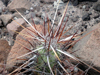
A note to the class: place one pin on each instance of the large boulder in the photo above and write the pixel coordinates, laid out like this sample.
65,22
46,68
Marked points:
19,48
89,47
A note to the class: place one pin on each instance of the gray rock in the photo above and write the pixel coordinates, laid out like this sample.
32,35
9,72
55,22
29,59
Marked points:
30,15
65,18
97,7
47,1
17,15
31,9
86,17
74,19
76,2
87,8
27,12
5,2
84,7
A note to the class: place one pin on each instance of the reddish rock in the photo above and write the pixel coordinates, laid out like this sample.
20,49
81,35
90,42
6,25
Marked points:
6,18
14,26
89,47
4,50
19,49
19,5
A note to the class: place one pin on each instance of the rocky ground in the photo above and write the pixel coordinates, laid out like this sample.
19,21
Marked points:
82,14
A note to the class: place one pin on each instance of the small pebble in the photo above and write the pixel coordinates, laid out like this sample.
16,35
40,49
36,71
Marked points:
85,26
86,17
75,69
84,7
27,12
31,9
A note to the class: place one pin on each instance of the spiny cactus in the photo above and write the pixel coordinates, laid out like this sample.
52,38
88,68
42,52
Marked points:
48,58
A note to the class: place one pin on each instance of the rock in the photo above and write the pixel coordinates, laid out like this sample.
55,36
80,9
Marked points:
76,2
47,1
1,25
87,8
0,10
6,18
74,19
4,51
85,26
1,4
97,21
86,17
96,16
18,49
27,12
31,9
6,11
89,47
19,5
5,2
30,15
65,18
97,7
16,15
13,26
84,6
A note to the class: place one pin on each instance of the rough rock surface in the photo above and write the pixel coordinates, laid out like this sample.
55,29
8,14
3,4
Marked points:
4,50
13,26
6,18
18,49
19,4
89,47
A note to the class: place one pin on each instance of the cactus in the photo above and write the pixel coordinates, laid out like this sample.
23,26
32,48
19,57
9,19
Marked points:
48,58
